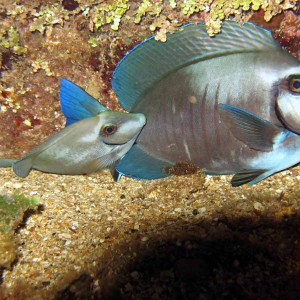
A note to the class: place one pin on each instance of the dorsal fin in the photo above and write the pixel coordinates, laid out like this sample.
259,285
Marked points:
151,60
76,104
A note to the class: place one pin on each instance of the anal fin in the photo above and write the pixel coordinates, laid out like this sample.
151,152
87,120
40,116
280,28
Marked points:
140,165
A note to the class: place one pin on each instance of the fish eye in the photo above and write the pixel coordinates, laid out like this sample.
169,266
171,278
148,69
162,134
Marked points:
108,129
294,85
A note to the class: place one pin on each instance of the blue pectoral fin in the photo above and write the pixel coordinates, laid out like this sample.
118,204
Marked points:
76,104
7,162
116,175
140,165
250,177
257,133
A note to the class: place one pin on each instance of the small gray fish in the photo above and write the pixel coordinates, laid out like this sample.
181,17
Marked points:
93,140
227,104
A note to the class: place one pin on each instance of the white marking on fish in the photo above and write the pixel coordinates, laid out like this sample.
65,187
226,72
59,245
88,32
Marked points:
187,151
171,145
173,108
192,99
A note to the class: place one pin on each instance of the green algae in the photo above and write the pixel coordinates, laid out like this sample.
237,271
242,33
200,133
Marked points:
40,64
46,18
159,14
175,10
10,39
12,210
110,13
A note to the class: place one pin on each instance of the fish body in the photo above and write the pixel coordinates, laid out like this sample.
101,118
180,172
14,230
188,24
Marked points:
94,139
188,89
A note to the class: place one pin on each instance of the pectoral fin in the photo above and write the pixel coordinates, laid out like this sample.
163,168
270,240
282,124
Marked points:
250,177
140,165
99,164
257,133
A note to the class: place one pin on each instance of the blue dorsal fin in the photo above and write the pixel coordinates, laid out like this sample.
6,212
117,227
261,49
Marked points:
76,104
257,133
151,60
140,165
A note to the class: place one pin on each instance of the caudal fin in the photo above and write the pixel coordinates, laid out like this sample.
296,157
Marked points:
7,162
23,167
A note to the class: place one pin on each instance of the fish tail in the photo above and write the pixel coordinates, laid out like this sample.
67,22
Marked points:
23,166
7,162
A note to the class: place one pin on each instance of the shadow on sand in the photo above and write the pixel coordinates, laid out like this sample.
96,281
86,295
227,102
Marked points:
220,259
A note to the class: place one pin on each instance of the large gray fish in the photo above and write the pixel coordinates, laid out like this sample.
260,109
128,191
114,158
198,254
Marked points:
95,139
229,104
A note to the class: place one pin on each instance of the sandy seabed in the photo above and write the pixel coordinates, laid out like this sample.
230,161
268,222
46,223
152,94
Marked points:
183,237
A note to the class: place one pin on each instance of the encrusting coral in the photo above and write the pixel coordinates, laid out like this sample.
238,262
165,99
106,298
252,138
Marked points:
164,14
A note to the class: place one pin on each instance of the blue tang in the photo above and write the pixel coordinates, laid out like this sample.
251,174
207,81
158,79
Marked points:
94,138
228,104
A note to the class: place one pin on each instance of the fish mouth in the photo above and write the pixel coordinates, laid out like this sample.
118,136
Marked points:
142,119
132,139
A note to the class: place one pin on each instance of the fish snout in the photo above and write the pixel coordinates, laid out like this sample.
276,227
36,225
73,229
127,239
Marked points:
141,119
134,124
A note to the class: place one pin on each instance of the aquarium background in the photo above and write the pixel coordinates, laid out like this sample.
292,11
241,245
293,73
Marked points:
88,237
